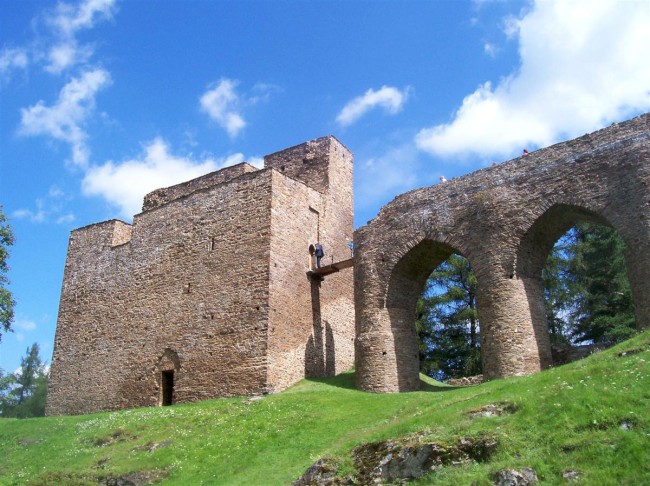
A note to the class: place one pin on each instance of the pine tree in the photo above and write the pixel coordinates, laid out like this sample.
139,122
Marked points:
560,287
588,297
447,322
604,311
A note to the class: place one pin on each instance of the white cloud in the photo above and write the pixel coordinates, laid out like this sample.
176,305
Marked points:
222,104
66,21
125,184
584,64
64,120
48,209
225,105
12,58
490,49
65,219
393,172
67,54
21,326
24,324
37,216
67,18
390,99
56,48
511,26
55,191
261,93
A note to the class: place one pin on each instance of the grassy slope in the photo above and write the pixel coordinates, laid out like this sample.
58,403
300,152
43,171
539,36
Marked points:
567,418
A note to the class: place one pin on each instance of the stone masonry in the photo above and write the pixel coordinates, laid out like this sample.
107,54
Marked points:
206,294
504,220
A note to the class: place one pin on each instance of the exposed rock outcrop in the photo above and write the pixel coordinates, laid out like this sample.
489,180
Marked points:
400,460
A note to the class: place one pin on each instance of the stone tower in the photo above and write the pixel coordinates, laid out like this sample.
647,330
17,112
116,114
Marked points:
206,294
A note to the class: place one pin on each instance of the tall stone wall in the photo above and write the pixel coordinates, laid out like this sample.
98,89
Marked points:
334,318
208,288
312,322
294,225
504,220
80,342
184,286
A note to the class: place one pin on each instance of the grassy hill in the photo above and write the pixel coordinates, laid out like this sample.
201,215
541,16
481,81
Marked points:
591,417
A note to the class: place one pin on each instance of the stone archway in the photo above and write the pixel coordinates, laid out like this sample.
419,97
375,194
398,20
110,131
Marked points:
504,219
407,281
533,251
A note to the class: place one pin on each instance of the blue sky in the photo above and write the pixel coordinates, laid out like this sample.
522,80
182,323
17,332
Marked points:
105,100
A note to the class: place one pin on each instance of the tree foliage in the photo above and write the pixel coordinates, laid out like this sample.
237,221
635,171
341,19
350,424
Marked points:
23,393
447,322
560,287
6,301
587,298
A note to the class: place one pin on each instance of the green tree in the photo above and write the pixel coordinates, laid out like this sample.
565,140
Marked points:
560,287
6,301
447,323
588,297
604,310
23,393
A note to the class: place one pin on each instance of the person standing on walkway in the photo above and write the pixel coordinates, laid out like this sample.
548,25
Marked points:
319,253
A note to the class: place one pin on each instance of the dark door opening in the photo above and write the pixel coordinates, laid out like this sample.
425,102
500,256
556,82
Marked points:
167,388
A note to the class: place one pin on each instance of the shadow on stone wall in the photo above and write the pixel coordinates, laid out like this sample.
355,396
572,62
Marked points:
320,355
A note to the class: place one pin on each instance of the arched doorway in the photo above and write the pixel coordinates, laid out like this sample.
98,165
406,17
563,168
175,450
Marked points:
168,367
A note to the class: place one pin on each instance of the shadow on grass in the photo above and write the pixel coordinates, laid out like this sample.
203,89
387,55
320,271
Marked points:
436,386
346,380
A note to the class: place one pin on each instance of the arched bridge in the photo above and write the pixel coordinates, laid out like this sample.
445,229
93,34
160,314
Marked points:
504,219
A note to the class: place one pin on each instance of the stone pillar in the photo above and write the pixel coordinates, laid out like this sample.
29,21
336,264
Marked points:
406,353
508,339
534,288
637,259
387,351
628,211
386,345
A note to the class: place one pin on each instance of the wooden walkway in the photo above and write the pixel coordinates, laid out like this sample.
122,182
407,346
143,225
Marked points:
332,268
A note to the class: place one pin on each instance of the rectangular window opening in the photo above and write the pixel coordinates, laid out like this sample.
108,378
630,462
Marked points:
167,388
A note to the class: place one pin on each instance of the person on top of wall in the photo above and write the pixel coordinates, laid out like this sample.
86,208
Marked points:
319,253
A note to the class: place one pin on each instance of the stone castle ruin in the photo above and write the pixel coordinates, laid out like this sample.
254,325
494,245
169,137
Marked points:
206,295
209,294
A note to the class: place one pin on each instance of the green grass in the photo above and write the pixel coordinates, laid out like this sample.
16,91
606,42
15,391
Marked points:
567,418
